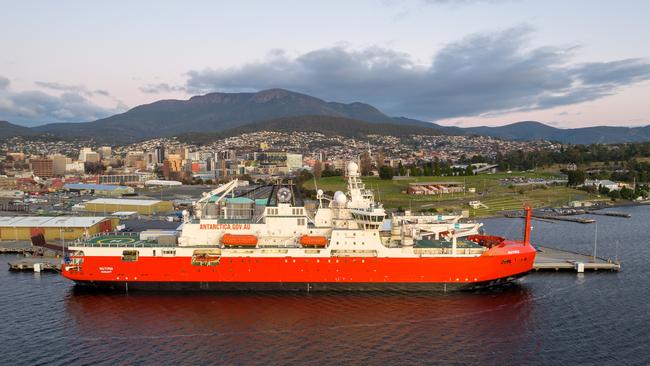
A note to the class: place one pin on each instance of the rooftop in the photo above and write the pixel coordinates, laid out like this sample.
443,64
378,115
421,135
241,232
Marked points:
95,187
50,221
123,201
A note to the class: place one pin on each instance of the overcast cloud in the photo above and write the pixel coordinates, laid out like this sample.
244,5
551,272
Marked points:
161,88
483,74
35,107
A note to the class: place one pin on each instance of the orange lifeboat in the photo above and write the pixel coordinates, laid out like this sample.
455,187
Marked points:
239,240
313,241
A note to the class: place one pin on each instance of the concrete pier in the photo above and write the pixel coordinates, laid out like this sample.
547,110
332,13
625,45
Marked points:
556,259
37,259
36,264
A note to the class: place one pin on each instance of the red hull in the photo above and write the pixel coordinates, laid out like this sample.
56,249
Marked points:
510,260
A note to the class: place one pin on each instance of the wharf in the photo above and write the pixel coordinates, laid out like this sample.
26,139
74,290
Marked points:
17,247
36,264
580,220
556,259
35,259
614,214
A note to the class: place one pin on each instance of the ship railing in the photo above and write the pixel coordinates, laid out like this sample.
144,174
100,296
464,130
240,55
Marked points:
138,244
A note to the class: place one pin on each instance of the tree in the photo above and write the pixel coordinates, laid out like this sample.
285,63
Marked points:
627,193
318,169
576,178
386,172
93,168
365,164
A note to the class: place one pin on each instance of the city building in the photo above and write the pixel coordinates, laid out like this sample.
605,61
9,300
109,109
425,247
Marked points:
160,154
92,157
59,162
42,167
83,151
105,152
120,179
605,183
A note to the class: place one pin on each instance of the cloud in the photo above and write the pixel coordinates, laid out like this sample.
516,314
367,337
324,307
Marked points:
78,89
34,107
161,88
482,74
459,2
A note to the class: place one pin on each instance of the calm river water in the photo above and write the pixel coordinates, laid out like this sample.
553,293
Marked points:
549,318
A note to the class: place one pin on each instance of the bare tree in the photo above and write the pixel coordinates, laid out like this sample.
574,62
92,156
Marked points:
318,169
365,164
379,159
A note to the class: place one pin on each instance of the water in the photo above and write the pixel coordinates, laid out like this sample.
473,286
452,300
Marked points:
550,318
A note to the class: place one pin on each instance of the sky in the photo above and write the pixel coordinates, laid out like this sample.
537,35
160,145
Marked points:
454,62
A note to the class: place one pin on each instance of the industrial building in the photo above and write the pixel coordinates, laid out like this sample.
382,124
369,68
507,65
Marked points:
99,189
141,206
434,188
53,228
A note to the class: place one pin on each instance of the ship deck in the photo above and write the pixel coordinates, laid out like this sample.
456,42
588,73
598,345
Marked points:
120,241
444,244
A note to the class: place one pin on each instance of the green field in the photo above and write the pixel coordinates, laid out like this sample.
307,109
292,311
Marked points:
488,190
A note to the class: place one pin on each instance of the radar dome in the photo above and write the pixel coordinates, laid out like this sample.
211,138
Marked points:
319,193
353,168
339,198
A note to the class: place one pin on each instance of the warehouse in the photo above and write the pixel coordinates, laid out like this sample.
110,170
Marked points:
53,228
99,189
143,207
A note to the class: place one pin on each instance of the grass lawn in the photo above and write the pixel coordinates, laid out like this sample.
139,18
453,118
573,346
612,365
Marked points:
488,190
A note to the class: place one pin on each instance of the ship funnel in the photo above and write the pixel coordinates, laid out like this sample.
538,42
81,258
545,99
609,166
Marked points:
528,214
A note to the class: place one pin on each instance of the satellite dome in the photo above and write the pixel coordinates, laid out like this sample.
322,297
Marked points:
353,168
339,198
319,193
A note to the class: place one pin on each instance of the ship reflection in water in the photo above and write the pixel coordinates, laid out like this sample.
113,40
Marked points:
301,328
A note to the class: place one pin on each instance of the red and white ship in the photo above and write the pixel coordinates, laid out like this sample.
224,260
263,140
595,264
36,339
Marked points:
347,243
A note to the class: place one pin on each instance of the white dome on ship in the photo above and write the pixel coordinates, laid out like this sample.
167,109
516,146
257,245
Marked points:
319,193
340,198
353,168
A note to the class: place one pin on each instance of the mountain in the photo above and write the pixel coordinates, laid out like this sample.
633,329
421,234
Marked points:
219,112
327,125
8,130
530,130
212,113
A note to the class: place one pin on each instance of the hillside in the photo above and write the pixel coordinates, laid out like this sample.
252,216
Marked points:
327,125
8,130
530,130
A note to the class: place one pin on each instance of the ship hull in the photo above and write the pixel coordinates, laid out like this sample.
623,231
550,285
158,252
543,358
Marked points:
298,286
307,274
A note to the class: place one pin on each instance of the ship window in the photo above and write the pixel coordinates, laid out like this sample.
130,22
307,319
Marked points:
168,252
130,255
206,257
